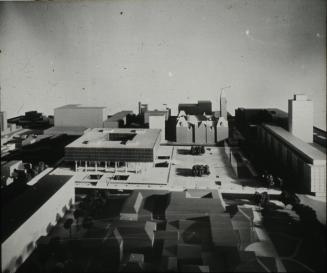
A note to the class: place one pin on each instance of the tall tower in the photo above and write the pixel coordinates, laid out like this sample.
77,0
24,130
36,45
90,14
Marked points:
140,107
223,104
300,117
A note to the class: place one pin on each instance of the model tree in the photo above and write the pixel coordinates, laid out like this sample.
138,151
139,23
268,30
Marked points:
68,225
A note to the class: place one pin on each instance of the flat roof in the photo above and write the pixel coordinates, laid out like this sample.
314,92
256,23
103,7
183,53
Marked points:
120,115
99,138
79,106
21,208
311,154
69,130
156,112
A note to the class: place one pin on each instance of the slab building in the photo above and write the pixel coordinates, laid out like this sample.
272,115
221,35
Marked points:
76,115
306,164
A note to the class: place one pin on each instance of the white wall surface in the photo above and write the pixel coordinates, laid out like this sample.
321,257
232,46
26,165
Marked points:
85,117
158,122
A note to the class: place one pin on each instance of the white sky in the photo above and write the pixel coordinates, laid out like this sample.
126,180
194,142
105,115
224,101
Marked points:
115,53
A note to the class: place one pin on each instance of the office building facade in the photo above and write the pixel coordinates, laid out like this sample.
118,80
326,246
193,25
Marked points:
100,147
303,162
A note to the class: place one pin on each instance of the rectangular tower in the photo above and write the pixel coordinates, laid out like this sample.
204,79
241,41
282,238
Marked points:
223,105
300,117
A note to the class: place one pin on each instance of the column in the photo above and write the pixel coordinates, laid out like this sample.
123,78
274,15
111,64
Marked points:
86,166
75,166
125,167
105,166
96,166
115,166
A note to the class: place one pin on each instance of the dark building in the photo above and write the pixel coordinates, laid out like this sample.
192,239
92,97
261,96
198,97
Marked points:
32,120
203,106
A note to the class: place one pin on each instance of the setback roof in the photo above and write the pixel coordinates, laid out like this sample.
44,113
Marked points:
98,138
308,152
17,211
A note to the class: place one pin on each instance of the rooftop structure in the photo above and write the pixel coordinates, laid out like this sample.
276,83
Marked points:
80,116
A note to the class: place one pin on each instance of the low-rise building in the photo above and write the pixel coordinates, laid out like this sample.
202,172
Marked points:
158,121
96,149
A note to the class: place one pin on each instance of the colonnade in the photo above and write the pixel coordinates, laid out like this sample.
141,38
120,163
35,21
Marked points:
106,166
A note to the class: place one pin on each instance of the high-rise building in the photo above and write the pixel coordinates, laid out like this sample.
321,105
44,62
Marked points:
3,121
300,117
223,105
